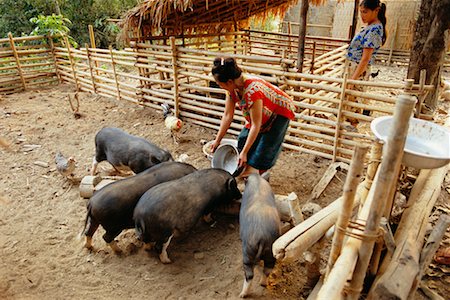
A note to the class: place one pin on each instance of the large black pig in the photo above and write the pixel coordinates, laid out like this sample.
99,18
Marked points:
173,208
112,206
259,227
121,150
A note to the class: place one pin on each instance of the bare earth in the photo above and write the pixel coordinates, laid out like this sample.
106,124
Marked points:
42,214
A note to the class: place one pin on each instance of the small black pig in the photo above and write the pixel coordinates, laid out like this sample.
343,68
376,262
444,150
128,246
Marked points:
112,206
259,227
121,150
173,208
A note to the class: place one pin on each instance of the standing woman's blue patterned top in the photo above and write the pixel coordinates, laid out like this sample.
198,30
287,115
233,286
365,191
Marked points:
369,37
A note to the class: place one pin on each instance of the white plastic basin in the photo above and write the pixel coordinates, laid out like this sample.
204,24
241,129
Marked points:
226,157
427,144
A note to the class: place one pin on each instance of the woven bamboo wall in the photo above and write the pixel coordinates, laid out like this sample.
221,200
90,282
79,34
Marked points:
26,62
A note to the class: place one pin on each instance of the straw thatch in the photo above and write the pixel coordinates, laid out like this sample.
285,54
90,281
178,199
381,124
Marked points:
158,17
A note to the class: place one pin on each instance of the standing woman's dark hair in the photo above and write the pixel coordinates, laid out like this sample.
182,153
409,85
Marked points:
225,68
374,4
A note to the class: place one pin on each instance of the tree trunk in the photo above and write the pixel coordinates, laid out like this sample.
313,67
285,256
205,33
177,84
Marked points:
429,44
57,9
302,34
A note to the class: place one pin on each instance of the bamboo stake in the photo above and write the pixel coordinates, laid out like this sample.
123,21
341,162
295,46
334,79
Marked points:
52,48
392,156
175,77
92,40
90,67
339,116
422,79
348,197
374,161
114,72
311,70
394,35
66,40
16,57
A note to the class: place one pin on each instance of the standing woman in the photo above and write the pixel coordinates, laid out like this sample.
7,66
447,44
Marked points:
266,109
365,44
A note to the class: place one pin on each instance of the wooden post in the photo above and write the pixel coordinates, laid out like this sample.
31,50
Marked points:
52,49
16,57
401,269
430,248
354,19
339,117
289,30
72,64
114,71
422,78
374,161
348,197
392,157
394,35
302,34
88,55
175,77
313,57
93,45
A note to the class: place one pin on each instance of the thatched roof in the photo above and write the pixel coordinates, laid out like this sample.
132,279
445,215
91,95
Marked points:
153,17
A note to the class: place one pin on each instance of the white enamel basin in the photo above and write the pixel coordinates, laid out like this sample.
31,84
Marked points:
427,144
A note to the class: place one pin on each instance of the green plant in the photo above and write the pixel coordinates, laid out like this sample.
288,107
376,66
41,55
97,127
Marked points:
53,25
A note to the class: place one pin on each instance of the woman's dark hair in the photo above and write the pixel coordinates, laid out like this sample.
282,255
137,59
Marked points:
374,4
225,68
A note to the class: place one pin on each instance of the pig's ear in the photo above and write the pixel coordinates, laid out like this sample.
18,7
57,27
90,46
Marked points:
231,184
154,160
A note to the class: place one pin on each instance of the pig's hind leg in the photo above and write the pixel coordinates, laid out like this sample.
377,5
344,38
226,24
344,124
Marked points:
269,264
248,277
163,256
91,227
109,237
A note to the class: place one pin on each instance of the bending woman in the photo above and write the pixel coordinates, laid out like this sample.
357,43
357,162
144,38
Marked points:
266,109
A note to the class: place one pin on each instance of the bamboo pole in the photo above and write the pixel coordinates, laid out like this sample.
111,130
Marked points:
66,40
422,79
374,161
92,40
348,197
339,117
52,48
302,34
114,72
90,68
176,95
394,35
16,57
392,156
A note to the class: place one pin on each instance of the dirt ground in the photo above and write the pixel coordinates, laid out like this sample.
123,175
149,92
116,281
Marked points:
42,214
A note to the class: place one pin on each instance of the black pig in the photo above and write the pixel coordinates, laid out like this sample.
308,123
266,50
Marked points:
112,206
121,150
259,227
173,208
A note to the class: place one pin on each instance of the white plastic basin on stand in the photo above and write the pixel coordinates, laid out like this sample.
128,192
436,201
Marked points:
427,144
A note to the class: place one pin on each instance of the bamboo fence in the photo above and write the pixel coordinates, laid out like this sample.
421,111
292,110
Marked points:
26,62
177,71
